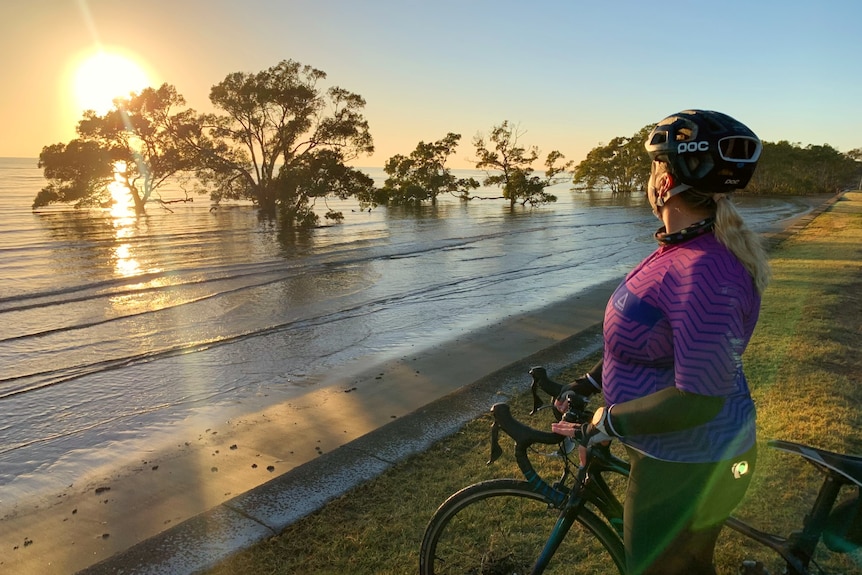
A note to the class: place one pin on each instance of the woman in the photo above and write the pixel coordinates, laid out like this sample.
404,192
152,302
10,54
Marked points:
674,334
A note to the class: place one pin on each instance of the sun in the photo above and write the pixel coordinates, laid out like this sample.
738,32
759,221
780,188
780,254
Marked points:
105,75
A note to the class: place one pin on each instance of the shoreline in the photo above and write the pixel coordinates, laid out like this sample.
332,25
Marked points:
93,521
224,486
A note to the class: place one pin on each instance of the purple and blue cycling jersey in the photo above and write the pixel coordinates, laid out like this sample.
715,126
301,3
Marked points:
683,317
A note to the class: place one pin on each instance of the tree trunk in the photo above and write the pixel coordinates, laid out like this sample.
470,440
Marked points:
138,202
267,199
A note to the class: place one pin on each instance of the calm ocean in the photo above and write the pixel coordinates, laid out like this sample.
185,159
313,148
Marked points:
115,328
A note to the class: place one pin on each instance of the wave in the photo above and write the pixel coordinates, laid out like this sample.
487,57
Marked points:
253,276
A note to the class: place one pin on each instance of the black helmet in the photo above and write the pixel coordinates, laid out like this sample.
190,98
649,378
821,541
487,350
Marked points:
706,150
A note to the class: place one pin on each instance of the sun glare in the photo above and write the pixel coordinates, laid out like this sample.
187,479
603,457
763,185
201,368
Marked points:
103,76
121,200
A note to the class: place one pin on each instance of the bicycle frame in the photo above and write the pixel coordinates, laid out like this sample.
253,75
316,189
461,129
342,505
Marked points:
590,487
797,550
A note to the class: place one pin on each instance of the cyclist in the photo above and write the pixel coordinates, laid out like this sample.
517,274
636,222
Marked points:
674,332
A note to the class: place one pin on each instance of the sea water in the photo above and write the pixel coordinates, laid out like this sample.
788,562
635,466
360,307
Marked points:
115,327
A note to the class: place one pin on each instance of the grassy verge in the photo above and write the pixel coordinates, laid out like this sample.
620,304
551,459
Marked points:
804,366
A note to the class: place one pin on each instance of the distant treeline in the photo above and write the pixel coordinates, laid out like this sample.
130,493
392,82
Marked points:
622,166
790,169
282,141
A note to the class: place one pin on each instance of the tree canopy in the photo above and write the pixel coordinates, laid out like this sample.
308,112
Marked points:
510,166
135,144
423,175
791,169
281,141
621,166
280,136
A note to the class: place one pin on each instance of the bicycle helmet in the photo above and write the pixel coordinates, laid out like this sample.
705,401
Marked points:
706,150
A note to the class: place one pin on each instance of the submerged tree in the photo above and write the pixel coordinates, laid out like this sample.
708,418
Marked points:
502,153
135,144
319,174
78,173
280,140
423,174
621,166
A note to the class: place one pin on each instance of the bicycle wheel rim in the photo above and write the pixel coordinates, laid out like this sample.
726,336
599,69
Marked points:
500,527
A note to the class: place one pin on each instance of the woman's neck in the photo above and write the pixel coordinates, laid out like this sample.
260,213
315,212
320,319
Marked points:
677,215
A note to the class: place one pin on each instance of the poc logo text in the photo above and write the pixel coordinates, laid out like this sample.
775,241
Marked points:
684,147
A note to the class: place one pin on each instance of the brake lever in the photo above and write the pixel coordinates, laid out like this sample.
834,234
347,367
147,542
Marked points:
496,450
537,402
538,374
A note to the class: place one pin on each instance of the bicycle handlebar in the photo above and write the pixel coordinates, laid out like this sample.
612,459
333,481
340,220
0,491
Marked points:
524,437
541,380
577,403
523,434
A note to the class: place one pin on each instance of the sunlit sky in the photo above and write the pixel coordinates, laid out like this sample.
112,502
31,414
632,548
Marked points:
571,74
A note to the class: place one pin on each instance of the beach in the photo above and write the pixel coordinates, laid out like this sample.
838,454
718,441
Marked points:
90,523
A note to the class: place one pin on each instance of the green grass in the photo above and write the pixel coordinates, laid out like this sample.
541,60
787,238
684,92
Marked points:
804,367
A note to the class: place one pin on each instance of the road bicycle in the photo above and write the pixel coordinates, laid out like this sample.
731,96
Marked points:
574,525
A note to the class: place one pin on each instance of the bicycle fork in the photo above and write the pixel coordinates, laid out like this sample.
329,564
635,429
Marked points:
590,489
564,523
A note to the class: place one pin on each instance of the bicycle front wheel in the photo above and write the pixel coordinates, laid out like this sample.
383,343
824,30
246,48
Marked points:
500,527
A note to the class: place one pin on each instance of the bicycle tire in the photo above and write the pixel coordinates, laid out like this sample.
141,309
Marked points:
499,527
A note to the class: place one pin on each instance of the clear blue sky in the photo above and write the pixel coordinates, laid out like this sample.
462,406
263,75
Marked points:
572,74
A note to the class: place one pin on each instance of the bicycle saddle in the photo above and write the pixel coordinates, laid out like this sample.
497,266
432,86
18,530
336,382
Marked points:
847,466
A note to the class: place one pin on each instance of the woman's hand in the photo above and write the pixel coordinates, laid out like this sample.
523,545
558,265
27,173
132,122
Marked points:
565,428
598,430
569,429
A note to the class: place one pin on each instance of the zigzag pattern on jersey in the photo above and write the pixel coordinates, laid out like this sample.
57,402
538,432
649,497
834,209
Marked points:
706,317
708,309
683,318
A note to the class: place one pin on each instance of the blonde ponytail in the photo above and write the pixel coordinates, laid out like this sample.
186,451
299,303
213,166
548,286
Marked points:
730,229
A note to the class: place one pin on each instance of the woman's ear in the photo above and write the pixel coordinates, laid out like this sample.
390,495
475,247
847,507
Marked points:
668,183
664,184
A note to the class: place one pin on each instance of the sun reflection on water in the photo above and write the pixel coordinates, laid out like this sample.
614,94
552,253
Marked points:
121,196
123,218
125,264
